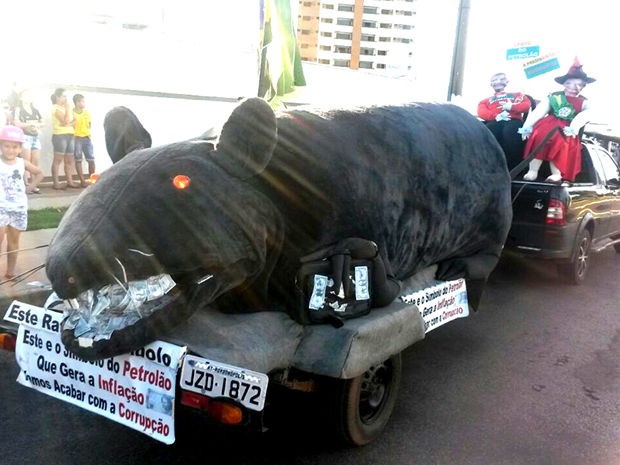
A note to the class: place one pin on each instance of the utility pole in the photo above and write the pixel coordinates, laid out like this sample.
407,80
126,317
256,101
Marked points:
455,86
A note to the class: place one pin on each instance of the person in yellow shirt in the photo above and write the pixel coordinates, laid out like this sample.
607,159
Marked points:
83,146
62,138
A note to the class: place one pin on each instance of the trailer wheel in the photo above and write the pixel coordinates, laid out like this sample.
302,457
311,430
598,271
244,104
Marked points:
575,271
364,404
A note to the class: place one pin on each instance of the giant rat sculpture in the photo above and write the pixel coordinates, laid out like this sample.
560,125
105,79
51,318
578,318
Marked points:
427,182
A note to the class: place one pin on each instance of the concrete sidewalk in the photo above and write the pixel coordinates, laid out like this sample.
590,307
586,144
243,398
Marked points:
34,288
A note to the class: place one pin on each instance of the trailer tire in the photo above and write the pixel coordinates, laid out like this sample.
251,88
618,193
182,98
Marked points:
364,404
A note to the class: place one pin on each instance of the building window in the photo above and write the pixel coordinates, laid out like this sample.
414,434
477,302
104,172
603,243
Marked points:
404,27
382,52
348,8
380,66
385,25
344,22
323,61
385,39
401,40
327,20
342,49
344,35
368,38
307,18
367,51
343,63
327,48
372,24
326,34
308,3
387,12
370,10
327,6
306,32
366,64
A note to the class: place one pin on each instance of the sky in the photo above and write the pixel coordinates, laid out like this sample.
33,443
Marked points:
566,28
213,50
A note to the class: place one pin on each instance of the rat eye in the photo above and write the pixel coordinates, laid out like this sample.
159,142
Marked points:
180,181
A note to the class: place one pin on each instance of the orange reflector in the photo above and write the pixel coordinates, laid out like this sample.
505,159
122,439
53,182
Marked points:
180,181
93,179
7,341
225,413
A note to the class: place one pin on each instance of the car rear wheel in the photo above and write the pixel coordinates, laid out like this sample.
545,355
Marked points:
575,271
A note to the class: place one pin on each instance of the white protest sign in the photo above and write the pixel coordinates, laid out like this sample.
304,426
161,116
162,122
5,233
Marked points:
137,389
441,303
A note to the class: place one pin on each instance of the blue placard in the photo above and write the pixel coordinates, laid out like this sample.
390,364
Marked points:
520,53
541,68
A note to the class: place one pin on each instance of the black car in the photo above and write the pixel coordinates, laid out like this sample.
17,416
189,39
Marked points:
568,221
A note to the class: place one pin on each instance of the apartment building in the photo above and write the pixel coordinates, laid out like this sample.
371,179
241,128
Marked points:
359,34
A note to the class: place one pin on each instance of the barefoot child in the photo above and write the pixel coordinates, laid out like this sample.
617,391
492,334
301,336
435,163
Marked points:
13,198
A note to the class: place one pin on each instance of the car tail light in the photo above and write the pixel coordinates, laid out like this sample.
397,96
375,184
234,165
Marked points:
556,213
219,410
7,341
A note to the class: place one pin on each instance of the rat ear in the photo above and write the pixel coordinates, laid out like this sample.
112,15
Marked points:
247,139
124,133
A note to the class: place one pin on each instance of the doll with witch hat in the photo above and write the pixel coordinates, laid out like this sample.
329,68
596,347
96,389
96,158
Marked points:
568,110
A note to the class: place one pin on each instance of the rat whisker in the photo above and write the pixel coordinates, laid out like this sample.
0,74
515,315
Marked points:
22,276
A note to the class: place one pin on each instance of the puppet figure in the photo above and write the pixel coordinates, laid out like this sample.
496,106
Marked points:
568,110
502,114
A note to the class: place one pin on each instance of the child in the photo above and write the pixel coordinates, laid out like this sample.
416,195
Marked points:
82,142
13,198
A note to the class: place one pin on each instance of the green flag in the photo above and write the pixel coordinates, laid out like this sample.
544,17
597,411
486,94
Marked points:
280,64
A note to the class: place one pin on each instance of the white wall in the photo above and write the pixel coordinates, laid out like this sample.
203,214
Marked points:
167,119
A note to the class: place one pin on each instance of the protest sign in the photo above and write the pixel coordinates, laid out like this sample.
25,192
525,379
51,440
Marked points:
540,65
520,53
136,389
441,303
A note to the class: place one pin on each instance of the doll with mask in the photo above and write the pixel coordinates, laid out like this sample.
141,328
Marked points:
568,110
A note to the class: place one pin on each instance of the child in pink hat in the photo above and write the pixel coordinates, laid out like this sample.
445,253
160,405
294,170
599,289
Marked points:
13,198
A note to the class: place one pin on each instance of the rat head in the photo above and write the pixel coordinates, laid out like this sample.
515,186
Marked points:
163,232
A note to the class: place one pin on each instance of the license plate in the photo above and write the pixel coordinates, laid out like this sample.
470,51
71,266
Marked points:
215,379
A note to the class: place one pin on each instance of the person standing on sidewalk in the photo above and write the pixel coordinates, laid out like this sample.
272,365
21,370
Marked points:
13,198
29,119
82,143
62,138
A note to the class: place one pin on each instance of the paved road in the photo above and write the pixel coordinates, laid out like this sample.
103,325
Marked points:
534,378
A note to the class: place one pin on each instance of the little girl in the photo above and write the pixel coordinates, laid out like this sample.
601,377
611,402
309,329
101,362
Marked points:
13,199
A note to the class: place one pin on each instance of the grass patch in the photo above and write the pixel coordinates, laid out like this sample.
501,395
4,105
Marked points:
45,218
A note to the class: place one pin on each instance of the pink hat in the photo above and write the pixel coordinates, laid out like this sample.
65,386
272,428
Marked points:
12,134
